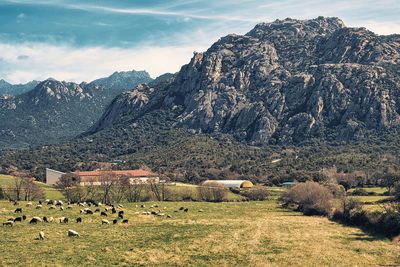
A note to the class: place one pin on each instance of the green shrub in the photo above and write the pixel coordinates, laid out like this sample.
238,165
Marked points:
359,192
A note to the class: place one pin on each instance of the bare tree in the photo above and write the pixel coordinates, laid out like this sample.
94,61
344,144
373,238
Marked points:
134,189
107,182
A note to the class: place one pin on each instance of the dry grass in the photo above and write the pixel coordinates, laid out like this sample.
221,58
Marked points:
225,234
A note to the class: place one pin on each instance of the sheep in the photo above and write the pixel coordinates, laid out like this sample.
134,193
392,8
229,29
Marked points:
47,201
121,216
18,219
104,221
200,210
181,208
73,233
63,220
89,212
120,206
16,203
169,216
125,221
99,204
81,204
41,235
52,207
29,204
103,214
114,210
61,208
59,203
50,219
18,210
143,206
97,210
40,202
154,213
50,202
69,207
10,223
186,210
160,214
23,217
115,221
38,206
78,220
120,212
35,220
45,219
11,219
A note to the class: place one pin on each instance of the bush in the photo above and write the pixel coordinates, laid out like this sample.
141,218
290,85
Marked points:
212,192
257,193
311,198
359,192
2,196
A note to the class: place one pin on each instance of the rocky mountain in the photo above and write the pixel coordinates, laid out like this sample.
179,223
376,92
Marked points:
124,80
282,82
16,89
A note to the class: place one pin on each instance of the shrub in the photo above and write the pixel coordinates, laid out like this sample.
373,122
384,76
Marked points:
257,193
359,192
212,191
311,198
2,196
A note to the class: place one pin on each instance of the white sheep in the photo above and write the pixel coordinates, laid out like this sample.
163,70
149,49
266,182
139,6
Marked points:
29,204
104,221
73,233
38,206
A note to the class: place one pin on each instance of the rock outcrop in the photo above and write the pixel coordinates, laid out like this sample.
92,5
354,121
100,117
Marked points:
284,81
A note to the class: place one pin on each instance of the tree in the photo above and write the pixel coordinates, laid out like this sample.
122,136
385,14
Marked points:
107,180
388,180
69,185
134,190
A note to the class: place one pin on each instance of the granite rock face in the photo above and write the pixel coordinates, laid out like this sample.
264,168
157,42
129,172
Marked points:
284,81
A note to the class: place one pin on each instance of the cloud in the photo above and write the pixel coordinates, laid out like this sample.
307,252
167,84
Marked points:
86,64
22,57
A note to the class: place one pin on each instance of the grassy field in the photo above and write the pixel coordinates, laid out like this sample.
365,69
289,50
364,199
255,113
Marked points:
225,234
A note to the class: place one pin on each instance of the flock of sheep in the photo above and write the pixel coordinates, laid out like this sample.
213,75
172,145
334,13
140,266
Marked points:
85,209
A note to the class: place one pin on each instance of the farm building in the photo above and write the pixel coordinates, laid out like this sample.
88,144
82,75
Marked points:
232,183
93,177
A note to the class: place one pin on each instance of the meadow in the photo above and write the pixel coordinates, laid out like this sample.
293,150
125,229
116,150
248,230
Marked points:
227,234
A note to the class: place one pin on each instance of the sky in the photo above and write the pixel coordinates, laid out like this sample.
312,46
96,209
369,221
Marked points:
81,40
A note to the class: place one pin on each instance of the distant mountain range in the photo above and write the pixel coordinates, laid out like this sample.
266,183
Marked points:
124,80
16,89
56,111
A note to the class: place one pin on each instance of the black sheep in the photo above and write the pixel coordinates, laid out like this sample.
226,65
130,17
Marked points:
181,208
18,210
103,214
121,216
115,221
120,212
186,210
89,212
97,210
125,221
113,210
18,219
33,220
23,217
45,219
78,220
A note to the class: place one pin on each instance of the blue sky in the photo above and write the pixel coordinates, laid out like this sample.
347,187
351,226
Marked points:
79,40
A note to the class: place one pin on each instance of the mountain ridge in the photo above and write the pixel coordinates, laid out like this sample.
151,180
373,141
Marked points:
284,81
